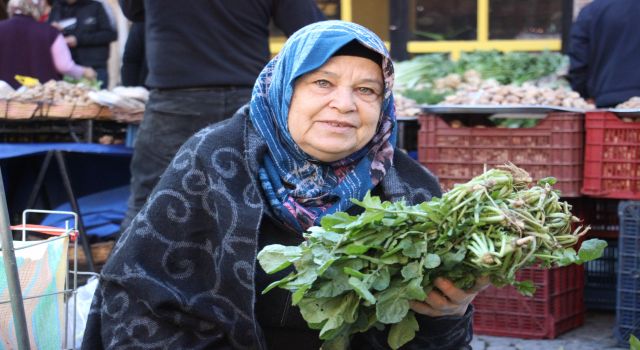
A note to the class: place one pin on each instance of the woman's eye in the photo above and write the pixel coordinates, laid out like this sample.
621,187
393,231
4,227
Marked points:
366,91
322,83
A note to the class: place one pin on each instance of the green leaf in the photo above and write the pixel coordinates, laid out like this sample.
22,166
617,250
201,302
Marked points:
329,312
411,270
381,279
403,332
415,250
415,290
356,249
362,290
369,202
432,261
276,257
340,218
351,272
526,288
634,343
339,342
451,259
333,287
279,283
547,180
297,295
591,249
392,305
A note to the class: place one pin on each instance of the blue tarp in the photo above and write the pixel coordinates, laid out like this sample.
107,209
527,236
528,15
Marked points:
12,150
101,212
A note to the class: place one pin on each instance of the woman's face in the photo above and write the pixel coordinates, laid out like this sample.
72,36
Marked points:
335,109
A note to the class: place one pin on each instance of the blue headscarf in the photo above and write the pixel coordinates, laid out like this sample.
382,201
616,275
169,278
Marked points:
314,189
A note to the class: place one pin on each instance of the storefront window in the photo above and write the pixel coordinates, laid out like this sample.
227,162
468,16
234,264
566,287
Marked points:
444,20
373,14
330,8
530,19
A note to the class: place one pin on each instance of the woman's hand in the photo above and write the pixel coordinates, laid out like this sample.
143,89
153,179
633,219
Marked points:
448,300
89,73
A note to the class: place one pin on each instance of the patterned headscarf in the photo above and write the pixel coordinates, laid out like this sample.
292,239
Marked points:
314,189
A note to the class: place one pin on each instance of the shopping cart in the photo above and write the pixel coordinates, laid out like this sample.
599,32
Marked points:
37,282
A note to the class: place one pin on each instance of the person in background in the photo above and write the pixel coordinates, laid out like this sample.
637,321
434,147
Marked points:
320,130
3,10
88,32
34,49
134,62
604,52
203,58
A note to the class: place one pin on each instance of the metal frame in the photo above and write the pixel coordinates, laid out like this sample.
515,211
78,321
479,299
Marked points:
13,282
64,174
402,47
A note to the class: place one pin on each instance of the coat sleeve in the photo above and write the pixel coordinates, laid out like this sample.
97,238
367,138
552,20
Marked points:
133,59
104,34
161,286
579,48
133,9
291,15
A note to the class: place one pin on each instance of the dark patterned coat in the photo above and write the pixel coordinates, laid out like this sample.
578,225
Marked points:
182,275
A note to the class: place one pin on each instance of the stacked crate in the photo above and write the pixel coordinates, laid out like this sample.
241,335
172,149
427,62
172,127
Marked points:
554,147
628,301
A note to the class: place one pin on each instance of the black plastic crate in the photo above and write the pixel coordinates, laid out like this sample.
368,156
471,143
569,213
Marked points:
601,279
628,291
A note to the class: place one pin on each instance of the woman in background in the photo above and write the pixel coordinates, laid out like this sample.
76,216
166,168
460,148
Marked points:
34,49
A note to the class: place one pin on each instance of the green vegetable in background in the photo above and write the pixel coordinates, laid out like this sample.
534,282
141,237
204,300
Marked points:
357,272
634,343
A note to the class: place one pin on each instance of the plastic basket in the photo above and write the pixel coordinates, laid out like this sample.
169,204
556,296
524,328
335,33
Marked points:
601,279
23,109
90,111
3,108
552,148
628,301
58,110
556,307
612,157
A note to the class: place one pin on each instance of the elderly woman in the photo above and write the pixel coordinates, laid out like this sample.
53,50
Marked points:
34,49
320,129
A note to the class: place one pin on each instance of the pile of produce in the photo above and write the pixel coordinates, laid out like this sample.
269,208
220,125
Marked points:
353,273
56,92
405,107
632,103
430,78
490,92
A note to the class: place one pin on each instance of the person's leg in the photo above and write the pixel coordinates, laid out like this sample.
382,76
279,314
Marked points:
170,119
102,75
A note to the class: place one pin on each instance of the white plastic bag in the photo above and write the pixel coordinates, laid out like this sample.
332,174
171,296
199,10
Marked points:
84,296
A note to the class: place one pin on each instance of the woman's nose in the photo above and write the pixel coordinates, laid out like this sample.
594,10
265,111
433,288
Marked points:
343,100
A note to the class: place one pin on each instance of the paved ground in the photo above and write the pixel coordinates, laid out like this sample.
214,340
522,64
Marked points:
595,334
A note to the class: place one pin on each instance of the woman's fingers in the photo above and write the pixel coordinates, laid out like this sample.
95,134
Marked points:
453,293
446,299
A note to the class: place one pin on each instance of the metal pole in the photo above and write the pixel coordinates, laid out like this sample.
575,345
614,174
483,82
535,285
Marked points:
11,270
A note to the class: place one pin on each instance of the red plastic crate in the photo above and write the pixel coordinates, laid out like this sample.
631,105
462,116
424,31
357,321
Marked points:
556,307
552,148
612,157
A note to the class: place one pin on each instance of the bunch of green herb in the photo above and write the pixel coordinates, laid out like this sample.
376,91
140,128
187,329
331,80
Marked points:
357,272
512,67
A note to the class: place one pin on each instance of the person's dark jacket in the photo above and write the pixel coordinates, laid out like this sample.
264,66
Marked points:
604,51
25,49
213,43
93,30
183,275
134,64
